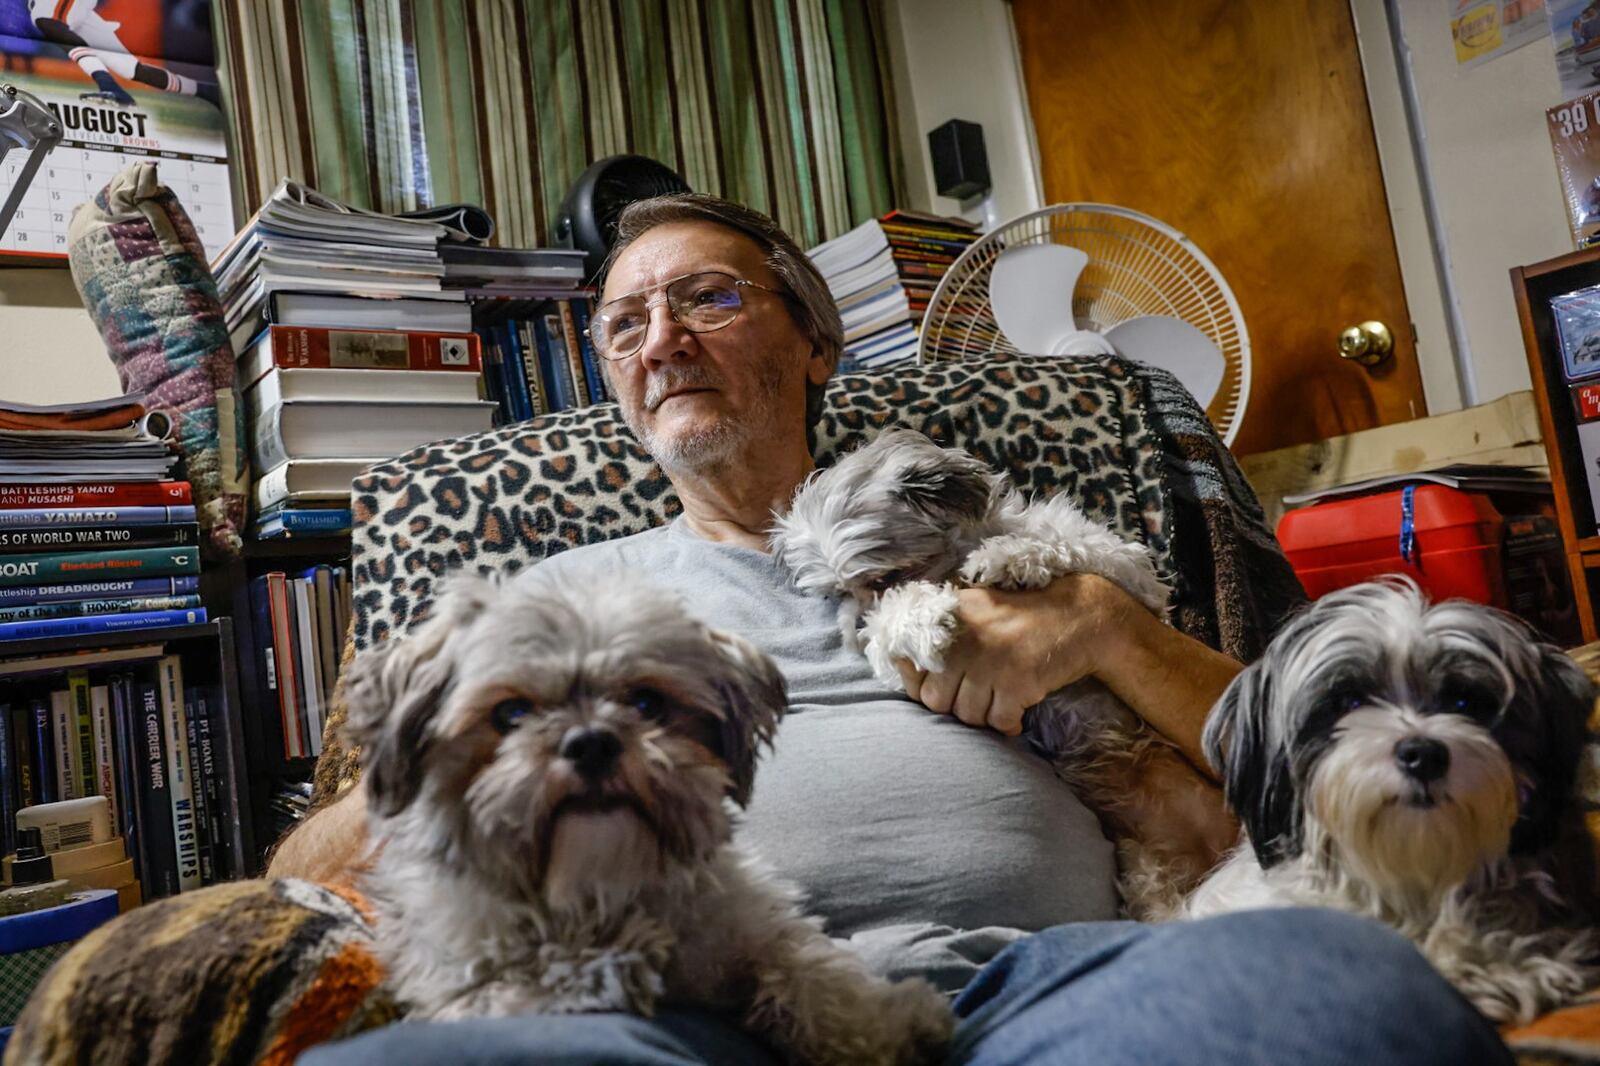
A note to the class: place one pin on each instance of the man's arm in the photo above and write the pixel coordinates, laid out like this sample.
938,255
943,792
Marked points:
329,846
1014,648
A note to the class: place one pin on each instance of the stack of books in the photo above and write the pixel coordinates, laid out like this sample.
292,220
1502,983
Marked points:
120,723
300,622
94,536
882,275
350,350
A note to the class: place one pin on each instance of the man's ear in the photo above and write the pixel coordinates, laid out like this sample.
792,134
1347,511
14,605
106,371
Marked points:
395,691
818,369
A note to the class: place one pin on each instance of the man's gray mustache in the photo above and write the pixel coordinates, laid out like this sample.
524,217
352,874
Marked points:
682,377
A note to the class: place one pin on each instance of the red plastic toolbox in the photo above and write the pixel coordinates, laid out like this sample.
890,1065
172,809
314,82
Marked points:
1454,549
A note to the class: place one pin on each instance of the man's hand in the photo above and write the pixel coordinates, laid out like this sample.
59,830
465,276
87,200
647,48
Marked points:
1014,648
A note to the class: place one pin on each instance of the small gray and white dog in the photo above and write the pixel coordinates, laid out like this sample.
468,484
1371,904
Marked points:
897,527
551,780
1419,765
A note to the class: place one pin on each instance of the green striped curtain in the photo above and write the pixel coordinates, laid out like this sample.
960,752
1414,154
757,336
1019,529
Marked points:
393,104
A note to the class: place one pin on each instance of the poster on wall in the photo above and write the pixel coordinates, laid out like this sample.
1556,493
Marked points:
130,80
1485,29
1575,29
1575,137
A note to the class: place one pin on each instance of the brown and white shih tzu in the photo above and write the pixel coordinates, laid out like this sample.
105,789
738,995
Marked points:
1420,765
897,527
551,780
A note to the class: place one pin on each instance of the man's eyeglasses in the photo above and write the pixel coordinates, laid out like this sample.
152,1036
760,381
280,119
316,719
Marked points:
700,303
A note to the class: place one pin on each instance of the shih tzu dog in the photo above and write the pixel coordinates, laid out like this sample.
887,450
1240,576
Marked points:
1417,764
897,527
551,781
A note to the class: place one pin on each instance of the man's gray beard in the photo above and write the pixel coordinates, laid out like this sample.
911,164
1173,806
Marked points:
724,441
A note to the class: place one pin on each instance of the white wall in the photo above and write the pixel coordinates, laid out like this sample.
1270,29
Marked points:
1494,181
49,350
957,59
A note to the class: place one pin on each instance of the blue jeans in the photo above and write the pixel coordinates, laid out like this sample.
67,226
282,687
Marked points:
1270,987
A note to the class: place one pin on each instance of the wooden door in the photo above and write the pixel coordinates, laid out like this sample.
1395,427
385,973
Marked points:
1243,123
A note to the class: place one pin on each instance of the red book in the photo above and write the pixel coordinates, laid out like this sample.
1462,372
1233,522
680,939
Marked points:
293,347
96,494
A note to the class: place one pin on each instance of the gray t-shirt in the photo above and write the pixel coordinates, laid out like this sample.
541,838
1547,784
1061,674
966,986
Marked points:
883,812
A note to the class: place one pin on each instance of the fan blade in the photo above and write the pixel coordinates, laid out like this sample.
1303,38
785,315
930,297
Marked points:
1173,345
1030,290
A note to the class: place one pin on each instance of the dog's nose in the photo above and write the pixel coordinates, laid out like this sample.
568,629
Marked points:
1422,758
591,749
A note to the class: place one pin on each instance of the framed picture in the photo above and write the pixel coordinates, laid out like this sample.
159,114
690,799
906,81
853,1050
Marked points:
1577,321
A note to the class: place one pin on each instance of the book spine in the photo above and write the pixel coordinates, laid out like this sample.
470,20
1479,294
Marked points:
330,636
44,749
549,367
310,661
104,760
494,385
133,562
125,760
85,781
175,731
84,608
97,537
518,388
82,517
64,733
598,390
155,795
208,777
100,623
22,753
74,591
574,354
300,520
537,400
96,495
281,664
294,347
202,814
10,786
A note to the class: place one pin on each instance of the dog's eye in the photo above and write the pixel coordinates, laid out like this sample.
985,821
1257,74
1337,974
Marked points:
649,703
508,714
1472,702
1347,698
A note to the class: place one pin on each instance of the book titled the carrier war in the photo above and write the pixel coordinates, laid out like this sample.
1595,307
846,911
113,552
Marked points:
34,569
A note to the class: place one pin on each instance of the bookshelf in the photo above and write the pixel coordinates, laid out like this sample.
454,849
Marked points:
1533,286
207,650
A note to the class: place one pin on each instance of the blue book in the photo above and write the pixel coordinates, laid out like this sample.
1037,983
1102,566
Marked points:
494,383
99,590
44,748
556,386
516,373
99,623
89,517
598,392
290,521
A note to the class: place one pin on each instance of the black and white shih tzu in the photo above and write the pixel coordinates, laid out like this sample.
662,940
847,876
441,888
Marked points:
896,528
551,781
1419,765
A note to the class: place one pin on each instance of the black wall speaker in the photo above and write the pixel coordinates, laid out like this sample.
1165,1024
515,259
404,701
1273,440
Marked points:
960,165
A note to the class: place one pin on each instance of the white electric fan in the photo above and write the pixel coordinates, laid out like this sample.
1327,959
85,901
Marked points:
1092,279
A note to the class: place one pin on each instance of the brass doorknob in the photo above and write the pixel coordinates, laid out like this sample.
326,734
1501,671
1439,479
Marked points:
1369,344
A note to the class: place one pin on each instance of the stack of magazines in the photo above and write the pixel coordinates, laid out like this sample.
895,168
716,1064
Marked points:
95,535
882,275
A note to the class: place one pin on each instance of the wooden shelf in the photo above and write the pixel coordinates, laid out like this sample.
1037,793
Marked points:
1533,287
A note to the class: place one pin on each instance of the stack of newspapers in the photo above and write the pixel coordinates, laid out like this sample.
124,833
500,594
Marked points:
95,535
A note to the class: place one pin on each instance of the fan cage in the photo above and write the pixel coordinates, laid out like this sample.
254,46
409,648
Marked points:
1138,265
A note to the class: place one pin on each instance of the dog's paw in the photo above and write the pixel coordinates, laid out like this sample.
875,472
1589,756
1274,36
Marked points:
915,622
918,1016
1011,562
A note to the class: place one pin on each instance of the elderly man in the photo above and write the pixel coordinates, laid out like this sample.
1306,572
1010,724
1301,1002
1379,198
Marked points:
919,827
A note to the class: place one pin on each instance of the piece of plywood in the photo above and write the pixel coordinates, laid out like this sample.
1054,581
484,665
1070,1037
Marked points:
1502,433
